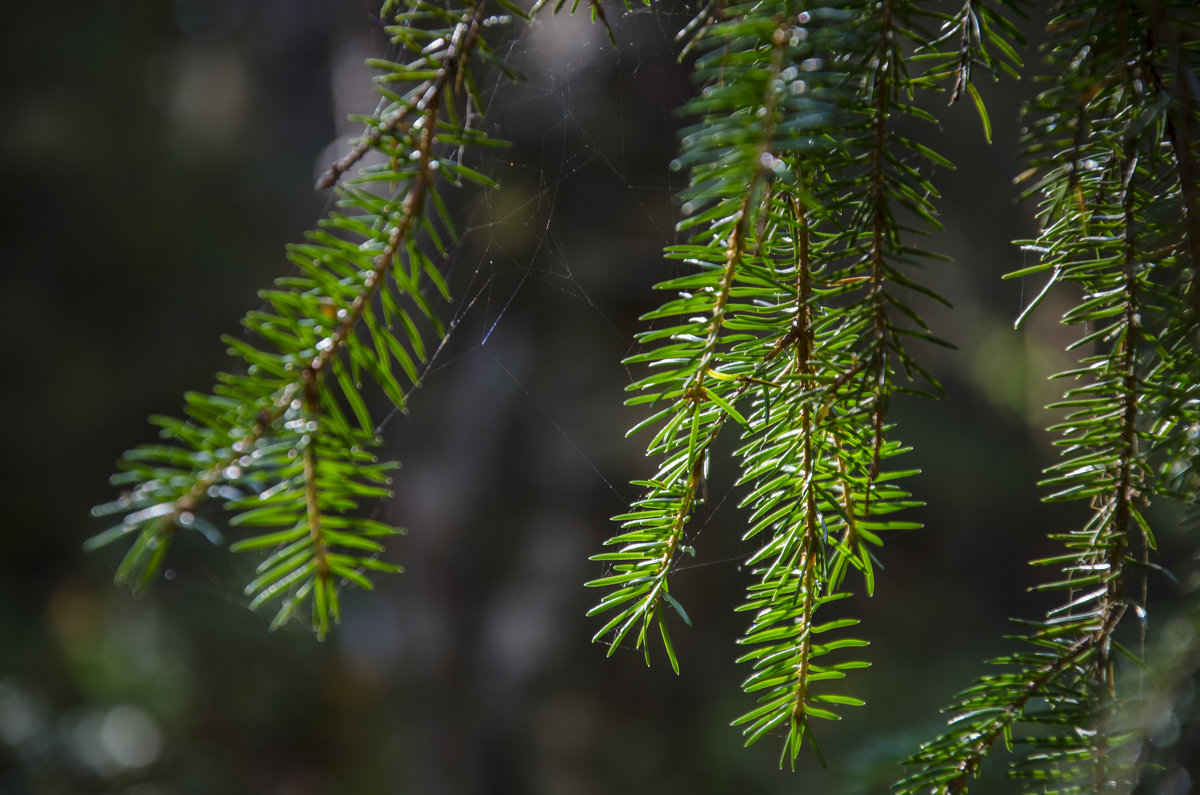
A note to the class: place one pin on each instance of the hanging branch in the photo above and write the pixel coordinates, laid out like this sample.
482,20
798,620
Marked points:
277,441
700,393
799,460
1102,146
797,173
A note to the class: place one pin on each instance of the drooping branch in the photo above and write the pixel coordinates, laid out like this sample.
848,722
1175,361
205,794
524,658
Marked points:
269,440
1106,166
796,132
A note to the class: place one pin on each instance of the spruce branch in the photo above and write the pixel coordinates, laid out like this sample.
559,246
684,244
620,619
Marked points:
285,442
1103,146
700,394
796,162
784,635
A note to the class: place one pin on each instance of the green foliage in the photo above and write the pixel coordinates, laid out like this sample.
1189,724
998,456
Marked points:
796,324
285,441
1114,213
794,317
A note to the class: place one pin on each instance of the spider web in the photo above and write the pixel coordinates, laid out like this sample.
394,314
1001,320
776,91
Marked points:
588,123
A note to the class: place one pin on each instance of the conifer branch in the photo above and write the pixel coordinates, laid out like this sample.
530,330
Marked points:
276,442
1095,232
788,94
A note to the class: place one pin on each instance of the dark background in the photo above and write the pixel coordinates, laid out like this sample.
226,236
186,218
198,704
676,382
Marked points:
156,157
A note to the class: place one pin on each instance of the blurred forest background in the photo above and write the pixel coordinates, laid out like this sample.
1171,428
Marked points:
156,157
